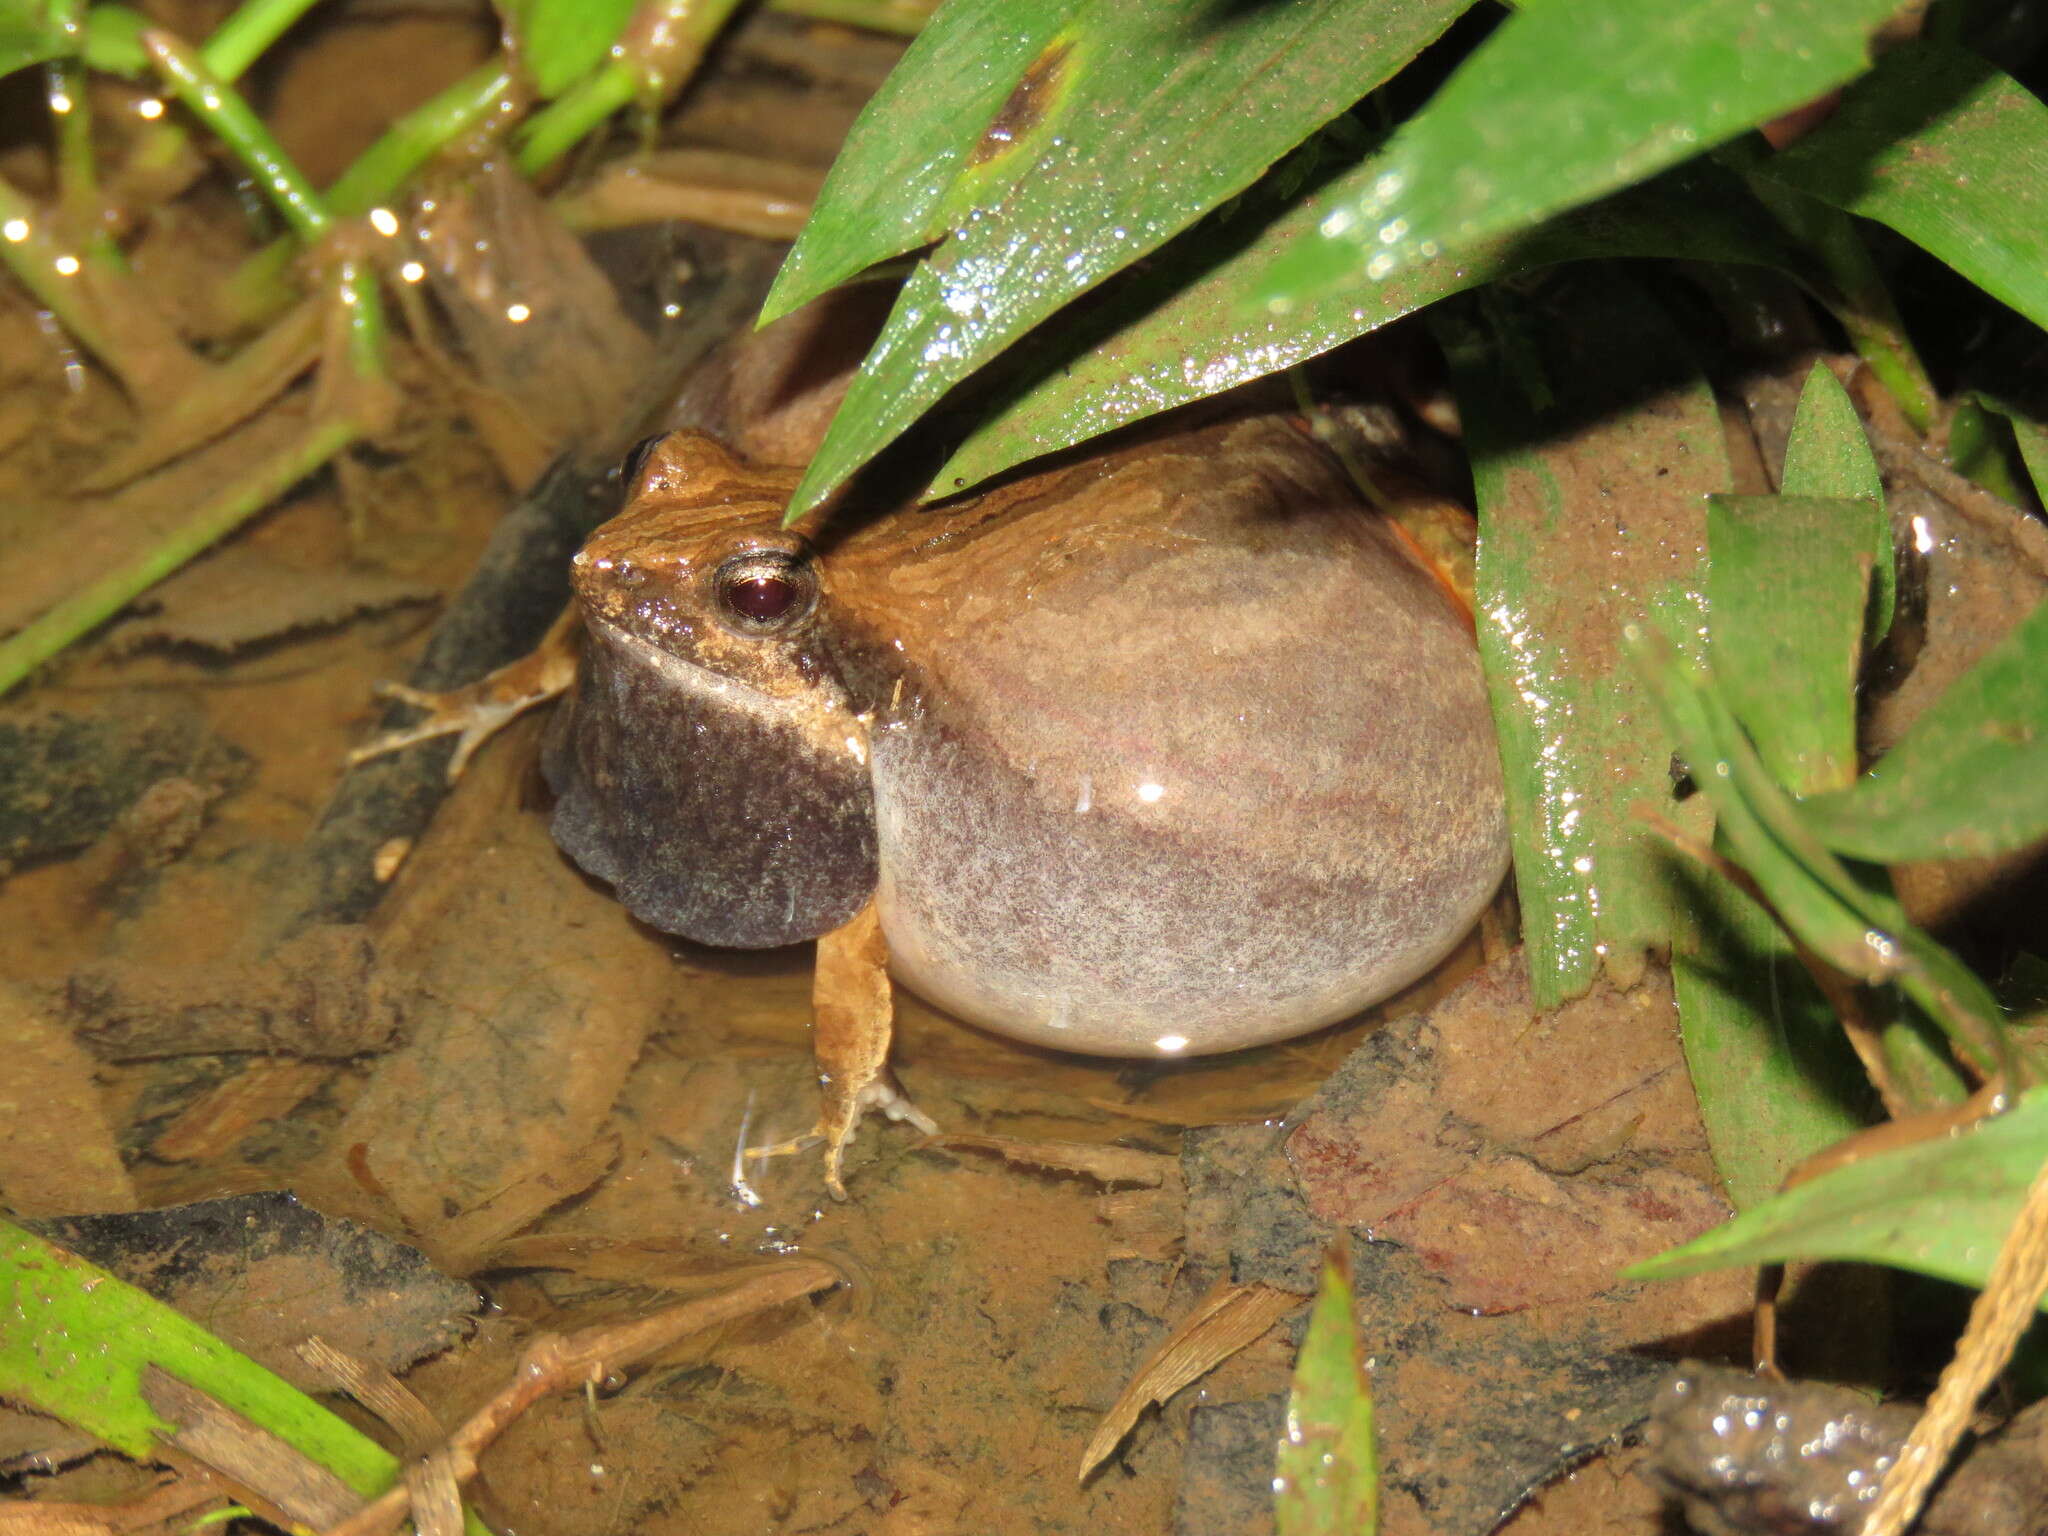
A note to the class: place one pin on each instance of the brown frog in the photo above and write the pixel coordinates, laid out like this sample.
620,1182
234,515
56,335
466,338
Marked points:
1170,750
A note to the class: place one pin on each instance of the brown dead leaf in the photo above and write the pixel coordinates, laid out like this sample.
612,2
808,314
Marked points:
241,596
1222,1323
1092,1160
209,1128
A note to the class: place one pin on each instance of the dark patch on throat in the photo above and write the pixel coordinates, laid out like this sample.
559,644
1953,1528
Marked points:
719,823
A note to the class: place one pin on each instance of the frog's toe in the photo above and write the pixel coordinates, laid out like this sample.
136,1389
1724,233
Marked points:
838,1124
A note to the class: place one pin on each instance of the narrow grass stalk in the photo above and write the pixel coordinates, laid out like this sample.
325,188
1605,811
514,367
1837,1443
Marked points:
34,644
228,113
243,38
658,53
262,284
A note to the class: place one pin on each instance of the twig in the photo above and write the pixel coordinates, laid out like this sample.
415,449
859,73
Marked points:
2012,1294
560,1362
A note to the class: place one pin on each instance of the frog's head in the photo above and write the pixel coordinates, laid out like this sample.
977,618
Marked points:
709,765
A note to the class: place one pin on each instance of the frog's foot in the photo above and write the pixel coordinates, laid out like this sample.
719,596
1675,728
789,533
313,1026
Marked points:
473,715
839,1120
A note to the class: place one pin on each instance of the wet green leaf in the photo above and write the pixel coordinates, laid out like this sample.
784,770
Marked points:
1787,577
79,1343
113,41
1829,455
560,41
1952,154
24,39
1786,584
1858,929
1326,1478
1970,778
904,174
1189,327
1592,516
1565,103
1137,118
1940,1207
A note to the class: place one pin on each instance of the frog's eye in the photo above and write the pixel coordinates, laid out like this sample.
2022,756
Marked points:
765,590
636,459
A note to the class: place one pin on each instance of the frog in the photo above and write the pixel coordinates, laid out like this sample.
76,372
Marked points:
1168,748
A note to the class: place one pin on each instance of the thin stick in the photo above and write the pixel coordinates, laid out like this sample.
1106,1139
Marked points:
557,1362
2011,1296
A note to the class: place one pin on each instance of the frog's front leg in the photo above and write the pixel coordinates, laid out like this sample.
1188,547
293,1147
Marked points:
476,713
852,1011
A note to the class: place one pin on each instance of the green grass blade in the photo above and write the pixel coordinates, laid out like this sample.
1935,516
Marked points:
1592,515
1829,455
1940,1207
908,166
1566,102
1950,153
26,40
1140,117
1786,582
1775,1077
559,41
1326,1478
1860,931
78,1340
1190,326
1970,778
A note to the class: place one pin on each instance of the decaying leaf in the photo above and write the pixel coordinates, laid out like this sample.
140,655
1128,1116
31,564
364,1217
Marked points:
1222,1323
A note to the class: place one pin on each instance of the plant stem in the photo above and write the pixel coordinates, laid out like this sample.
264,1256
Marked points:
228,113
42,266
1862,303
31,646
241,40
261,285
656,56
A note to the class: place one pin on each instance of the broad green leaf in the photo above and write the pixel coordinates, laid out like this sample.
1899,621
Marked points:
1139,117
1592,516
1774,1075
1787,575
1829,455
1859,930
1970,778
80,1339
1566,102
25,39
1190,327
922,149
1940,1207
560,41
1785,592
1949,152
1326,1477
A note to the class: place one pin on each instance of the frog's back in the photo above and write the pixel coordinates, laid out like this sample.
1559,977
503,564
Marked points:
1189,753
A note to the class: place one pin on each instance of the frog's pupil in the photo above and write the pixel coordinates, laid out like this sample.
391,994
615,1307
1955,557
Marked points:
761,598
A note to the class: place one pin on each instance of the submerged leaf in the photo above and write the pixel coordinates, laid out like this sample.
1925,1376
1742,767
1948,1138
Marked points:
1940,1207
1326,1478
